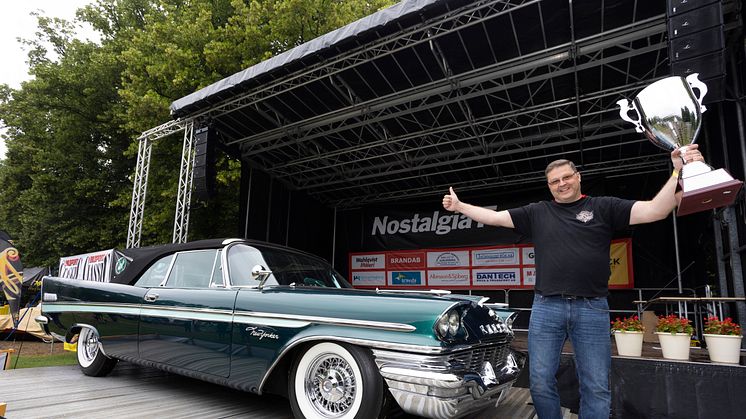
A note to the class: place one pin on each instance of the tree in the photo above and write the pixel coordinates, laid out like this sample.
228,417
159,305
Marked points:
72,131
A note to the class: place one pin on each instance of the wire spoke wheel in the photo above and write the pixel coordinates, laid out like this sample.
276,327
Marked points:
330,385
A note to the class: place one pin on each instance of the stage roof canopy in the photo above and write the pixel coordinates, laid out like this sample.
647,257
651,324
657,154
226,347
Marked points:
430,93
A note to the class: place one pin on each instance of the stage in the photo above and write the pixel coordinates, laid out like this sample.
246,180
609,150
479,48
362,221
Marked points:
653,387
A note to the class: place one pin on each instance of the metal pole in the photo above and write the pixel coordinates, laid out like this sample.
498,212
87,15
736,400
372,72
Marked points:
334,237
676,249
248,205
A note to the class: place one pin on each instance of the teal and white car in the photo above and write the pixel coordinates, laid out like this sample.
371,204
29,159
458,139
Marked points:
268,319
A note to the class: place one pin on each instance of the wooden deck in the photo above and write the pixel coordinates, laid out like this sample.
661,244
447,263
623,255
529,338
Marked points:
131,391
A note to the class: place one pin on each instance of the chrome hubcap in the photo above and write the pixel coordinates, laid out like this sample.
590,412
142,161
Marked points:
330,385
90,346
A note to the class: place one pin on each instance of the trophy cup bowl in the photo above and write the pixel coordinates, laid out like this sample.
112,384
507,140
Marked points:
670,115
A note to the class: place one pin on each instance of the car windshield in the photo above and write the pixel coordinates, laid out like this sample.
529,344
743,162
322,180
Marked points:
287,268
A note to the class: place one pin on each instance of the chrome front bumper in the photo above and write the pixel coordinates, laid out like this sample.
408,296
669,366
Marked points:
449,386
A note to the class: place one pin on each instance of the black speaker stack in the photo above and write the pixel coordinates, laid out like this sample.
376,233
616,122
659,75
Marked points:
204,163
696,43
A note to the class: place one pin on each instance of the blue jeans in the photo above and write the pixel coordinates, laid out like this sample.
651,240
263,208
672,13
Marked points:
586,322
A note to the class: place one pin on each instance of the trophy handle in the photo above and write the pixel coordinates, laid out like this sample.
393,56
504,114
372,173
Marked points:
625,107
694,82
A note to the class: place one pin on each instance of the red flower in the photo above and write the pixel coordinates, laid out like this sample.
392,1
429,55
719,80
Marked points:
628,324
674,324
714,326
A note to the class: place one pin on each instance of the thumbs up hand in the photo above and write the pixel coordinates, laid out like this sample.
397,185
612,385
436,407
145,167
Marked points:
450,200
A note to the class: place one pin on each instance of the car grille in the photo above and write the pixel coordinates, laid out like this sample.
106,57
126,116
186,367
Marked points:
473,359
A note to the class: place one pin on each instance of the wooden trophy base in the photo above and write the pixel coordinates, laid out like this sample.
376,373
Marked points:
706,191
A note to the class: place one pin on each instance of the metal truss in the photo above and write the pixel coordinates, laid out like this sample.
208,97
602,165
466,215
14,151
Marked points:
468,97
140,182
339,153
184,198
139,190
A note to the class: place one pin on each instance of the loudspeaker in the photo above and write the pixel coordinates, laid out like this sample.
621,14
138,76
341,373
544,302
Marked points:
696,42
203,178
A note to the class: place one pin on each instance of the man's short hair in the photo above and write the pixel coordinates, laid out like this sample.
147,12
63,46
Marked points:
557,163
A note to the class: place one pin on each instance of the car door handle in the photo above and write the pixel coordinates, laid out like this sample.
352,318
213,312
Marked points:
151,297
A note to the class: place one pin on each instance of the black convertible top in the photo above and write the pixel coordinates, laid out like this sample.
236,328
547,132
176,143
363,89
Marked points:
143,257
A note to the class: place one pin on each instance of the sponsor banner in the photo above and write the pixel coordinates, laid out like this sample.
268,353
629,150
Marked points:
406,278
529,276
496,277
527,256
495,257
447,259
386,228
96,266
494,267
369,278
405,260
69,266
448,278
620,263
368,261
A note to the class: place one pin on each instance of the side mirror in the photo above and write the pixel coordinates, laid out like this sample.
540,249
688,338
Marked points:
261,274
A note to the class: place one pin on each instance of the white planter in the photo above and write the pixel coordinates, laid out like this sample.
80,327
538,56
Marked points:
628,343
724,348
675,346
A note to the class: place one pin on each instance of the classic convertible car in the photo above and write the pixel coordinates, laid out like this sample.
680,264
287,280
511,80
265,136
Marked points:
265,318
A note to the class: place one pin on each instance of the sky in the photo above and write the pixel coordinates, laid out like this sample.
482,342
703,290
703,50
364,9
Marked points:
16,22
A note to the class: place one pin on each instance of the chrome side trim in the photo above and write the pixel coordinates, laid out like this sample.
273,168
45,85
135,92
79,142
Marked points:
354,341
397,327
395,291
227,316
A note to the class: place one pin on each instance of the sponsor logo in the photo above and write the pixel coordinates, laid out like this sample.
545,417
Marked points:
405,260
71,262
370,261
96,258
495,255
261,333
447,259
121,264
436,222
496,276
584,216
447,276
406,278
369,278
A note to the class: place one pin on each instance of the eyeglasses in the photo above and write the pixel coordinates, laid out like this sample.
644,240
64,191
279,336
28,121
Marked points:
565,179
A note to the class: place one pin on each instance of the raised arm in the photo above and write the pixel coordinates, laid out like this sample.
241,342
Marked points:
478,214
665,201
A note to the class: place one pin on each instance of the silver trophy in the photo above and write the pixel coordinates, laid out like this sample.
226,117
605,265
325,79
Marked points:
670,115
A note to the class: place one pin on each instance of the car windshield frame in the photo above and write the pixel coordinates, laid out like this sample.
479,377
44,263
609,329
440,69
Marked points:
288,268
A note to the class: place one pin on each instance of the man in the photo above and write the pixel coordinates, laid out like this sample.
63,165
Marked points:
572,236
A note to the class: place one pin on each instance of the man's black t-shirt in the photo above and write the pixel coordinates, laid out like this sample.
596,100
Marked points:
572,242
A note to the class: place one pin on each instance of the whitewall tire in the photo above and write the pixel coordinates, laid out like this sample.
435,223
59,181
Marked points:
335,381
91,358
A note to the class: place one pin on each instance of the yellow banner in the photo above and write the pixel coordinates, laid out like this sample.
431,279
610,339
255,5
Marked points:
621,264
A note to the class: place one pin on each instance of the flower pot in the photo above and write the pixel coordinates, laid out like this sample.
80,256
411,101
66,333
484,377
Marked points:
628,343
675,346
724,348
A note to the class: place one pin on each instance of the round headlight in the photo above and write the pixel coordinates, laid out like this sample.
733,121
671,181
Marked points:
442,327
454,321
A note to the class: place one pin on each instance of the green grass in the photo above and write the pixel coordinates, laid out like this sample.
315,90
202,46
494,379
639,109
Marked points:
34,361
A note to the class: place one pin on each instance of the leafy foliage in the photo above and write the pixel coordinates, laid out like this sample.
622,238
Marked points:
72,131
715,326
627,324
674,324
